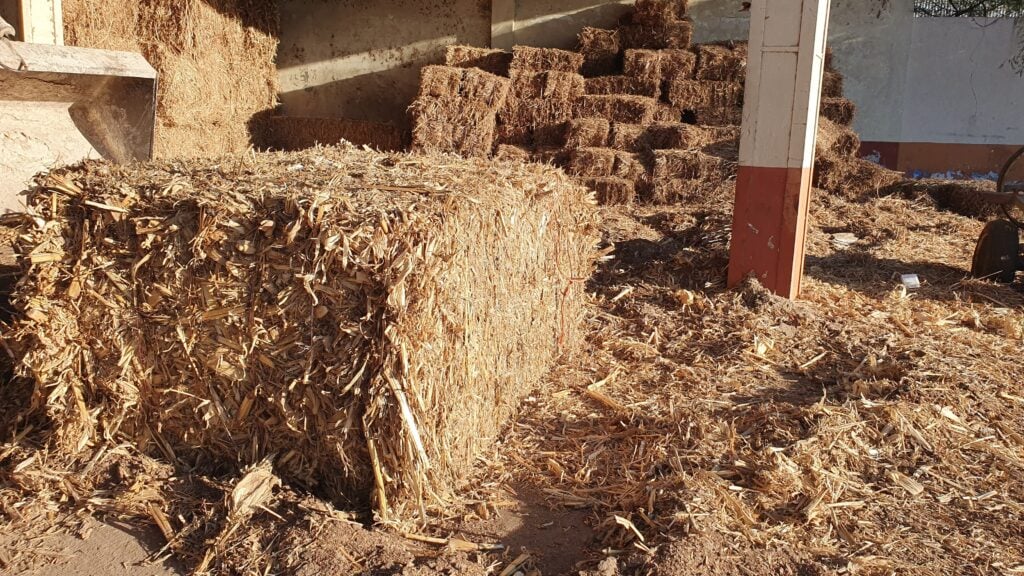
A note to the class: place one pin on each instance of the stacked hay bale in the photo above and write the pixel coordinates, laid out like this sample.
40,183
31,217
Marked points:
456,110
656,120
369,320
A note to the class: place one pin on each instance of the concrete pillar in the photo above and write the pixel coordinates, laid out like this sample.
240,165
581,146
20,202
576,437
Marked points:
780,121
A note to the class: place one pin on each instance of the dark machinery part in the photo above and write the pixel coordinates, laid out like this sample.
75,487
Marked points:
997,255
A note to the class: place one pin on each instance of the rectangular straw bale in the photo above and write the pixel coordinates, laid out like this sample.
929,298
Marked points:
530,59
587,133
839,110
452,125
690,165
465,83
627,137
693,94
446,126
297,133
677,190
371,326
487,59
668,113
630,166
656,36
528,122
593,162
677,64
641,63
601,52
553,156
719,116
556,85
512,153
722,141
628,109
630,85
659,11
832,85
612,190
722,62
675,136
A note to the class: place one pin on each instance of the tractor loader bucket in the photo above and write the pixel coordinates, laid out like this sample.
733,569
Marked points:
60,105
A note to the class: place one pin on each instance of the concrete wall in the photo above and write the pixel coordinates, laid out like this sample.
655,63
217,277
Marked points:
361,60
556,23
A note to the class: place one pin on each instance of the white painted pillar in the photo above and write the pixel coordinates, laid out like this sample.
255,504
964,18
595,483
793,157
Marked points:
780,122
42,22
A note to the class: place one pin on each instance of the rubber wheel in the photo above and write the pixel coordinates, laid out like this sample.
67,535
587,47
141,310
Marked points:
995,256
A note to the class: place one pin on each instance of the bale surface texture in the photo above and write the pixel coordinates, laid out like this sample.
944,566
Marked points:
369,320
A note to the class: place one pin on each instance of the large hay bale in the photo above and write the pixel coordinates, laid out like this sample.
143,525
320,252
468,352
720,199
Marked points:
835,140
601,52
630,85
627,109
630,166
656,36
855,177
674,136
678,64
722,62
839,110
218,79
587,133
719,116
530,59
512,153
297,133
627,137
553,85
491,60
668,113
369,320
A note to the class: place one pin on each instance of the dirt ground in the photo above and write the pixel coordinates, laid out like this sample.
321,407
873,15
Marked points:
863,429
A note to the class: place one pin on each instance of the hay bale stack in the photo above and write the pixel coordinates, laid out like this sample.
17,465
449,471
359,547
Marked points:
547,85
722,62
587,133
601,50
835,140
631,166
855,178
617,108
839,110
530,59
657,36
629,85
612,190
298,133
491,60
690,165
456,110
719,116
511,153
678,65
216,60
371,321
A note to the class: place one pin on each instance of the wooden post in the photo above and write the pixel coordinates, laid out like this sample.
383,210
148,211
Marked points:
36,21
780,122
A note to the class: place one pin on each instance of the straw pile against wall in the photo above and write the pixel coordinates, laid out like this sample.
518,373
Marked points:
297,133
215,59
456,110
839,110
368,320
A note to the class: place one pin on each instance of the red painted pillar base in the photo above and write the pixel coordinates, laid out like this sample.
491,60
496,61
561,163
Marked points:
769,226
